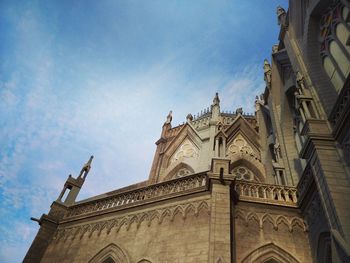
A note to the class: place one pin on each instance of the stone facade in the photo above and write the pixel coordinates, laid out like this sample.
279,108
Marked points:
268,187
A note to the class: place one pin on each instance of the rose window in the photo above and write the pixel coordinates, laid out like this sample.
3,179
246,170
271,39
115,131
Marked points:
243,173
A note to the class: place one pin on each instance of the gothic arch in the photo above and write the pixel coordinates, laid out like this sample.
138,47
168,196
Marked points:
144,260
268,253
172,174
255,166
111,253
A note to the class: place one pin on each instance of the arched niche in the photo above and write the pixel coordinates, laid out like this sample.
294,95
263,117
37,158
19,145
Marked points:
111,254
269,253
180,170
259,173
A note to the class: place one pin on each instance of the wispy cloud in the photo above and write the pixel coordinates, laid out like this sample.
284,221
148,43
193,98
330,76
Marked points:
99,79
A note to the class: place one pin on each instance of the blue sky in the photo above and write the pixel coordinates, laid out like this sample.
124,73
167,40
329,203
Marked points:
99,77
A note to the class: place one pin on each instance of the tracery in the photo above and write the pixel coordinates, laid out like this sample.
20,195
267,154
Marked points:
335,44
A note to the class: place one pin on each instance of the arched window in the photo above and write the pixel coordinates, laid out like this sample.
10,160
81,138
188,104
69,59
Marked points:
335,44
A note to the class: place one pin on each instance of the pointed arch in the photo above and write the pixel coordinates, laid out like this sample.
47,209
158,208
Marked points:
253,165
268,218
109,253
270,252
173,173
144,260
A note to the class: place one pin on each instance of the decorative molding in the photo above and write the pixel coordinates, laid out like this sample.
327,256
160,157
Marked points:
64,233
275,219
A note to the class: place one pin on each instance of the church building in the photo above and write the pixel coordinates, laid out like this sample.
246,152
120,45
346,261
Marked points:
232,187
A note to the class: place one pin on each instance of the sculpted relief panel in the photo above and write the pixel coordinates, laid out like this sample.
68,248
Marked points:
240,146
186,150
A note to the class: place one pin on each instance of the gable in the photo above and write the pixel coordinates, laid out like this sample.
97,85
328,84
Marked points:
240,124
186,144
240,145
187,149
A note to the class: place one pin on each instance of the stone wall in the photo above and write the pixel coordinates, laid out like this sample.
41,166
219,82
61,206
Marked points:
173,232
263,232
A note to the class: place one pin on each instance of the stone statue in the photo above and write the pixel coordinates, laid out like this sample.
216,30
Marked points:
274,49
239,111
216,100
267,72
300,81
281,15
169,117
189,117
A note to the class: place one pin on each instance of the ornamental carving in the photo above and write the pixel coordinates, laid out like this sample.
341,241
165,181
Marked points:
158,216
243,173
186,150
182,172
248,218
240,146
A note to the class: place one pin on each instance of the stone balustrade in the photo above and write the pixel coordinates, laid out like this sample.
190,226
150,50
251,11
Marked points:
266,193
188,184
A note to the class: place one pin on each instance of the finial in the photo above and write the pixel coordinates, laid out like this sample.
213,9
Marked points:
216,100
86,168
169,117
